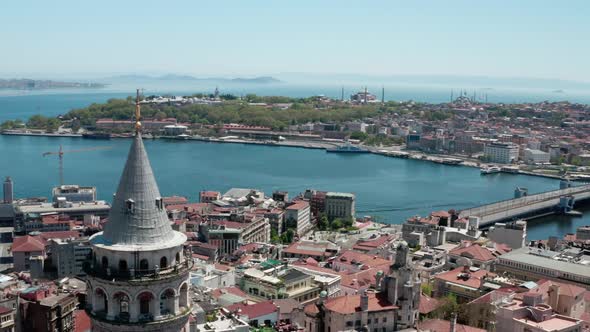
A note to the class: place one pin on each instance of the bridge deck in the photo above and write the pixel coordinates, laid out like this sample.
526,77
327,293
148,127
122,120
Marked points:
510,208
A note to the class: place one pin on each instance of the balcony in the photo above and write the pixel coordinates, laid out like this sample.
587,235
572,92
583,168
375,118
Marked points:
142,319
138,275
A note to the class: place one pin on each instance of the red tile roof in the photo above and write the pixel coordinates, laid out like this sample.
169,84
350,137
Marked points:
210,193
4,310
373,243
189,207
474,251
217,292
254,310
565,289
428,304
311,309
439,325
202,257
300,205
351,303
354,257
458,276
440,214
82,321
222,267
28,243
174,200
359,280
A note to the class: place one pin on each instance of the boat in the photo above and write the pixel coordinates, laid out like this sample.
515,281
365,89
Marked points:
97,135
510,169
451,161
347,148
490,170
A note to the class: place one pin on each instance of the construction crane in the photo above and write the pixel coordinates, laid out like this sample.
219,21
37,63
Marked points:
61,153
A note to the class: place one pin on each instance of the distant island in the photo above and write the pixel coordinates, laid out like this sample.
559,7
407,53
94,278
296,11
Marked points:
30,84
175,77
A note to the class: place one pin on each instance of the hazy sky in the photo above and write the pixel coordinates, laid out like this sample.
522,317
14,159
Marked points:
248,37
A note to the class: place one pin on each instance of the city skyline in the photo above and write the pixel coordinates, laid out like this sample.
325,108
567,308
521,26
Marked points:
500,39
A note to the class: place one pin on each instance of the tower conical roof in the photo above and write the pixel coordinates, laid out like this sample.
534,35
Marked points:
136,217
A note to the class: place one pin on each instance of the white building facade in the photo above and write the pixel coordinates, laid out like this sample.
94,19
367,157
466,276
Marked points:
501,153
340,205
298,216
532,156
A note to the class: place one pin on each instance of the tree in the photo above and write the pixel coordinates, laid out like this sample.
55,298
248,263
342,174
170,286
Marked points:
576,160
160,115
287,236
359,135
451,306
52,125
347,222
37,121
336,224
427,289
323,222
274,236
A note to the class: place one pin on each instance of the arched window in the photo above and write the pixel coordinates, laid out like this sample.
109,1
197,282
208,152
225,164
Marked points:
122,265
183,300
122,305
143,264
145,300
177,258
105,262
100,300
163,262
167,302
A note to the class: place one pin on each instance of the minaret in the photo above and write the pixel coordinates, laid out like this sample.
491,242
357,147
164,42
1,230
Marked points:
138,275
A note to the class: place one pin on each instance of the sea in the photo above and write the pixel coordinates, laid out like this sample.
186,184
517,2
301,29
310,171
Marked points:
389,189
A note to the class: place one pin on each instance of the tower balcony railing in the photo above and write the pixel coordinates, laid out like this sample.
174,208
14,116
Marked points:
138,274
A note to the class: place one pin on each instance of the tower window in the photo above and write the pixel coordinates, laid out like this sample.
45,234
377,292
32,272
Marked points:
143,264
130,205
159,203
123,265
105,262
163,262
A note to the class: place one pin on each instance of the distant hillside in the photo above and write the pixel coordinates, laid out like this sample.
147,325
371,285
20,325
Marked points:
175,77
262,79
24,83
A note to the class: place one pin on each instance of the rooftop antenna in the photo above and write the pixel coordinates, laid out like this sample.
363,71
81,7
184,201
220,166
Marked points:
451,95
366,94
137,115
342,97
382,94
